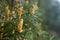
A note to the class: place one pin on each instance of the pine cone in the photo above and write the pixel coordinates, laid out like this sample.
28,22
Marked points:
20,25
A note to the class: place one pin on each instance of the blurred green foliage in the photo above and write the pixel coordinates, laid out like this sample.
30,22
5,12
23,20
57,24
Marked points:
35,30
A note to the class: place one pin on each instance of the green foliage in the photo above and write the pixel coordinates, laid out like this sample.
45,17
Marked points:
35,24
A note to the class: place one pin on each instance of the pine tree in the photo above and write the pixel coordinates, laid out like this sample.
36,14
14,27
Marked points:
18,21
22,20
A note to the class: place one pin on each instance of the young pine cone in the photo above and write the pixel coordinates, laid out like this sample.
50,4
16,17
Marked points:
20,25
32,10
20,11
